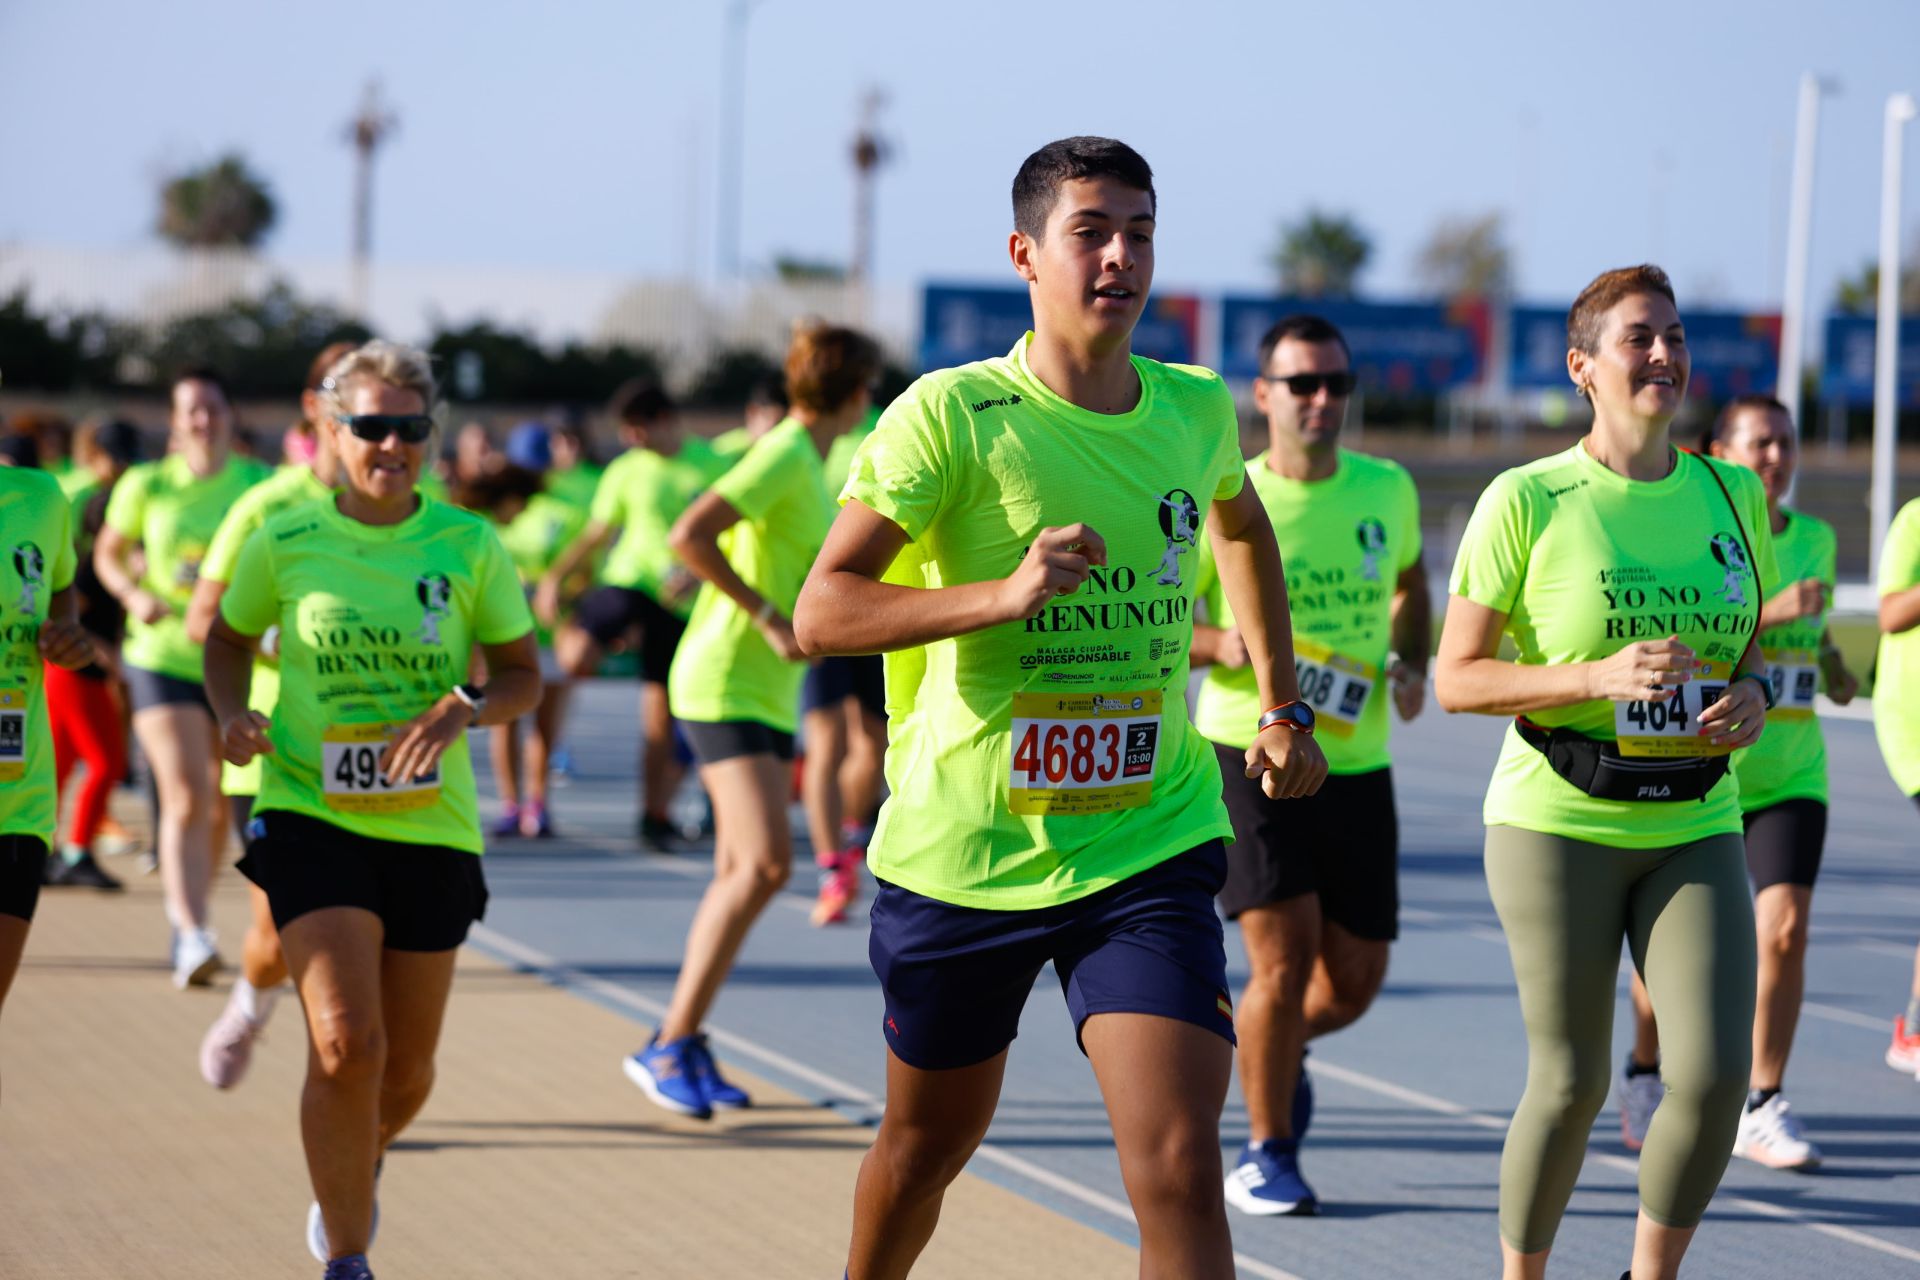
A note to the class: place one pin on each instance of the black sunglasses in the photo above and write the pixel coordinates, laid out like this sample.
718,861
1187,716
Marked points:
1307,385
412,428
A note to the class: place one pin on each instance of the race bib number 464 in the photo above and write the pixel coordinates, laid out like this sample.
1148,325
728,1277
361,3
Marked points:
1083,753
1672,728
351,775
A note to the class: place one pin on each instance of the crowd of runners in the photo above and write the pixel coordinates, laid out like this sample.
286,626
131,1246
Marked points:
983,603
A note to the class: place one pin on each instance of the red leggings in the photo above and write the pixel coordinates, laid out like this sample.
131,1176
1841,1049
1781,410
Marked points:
86,727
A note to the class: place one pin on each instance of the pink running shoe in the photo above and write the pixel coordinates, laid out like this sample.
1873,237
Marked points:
839,887
1904,1053
228,1047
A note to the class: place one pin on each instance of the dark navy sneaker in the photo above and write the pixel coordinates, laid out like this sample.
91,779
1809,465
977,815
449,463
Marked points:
352,1267
666,1074
657,835
1302,1101
83,872
1266,1181
721,1094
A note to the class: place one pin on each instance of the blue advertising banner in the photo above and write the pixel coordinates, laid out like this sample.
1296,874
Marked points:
1847,375
963,323
1734,352
1398,348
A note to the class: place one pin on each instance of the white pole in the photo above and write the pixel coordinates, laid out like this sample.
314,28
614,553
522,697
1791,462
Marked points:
1793,301
733,89
1886,344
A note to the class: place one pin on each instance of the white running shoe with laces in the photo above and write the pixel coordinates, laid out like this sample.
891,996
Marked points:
195,960
228,1046
1640,1096
1772,1135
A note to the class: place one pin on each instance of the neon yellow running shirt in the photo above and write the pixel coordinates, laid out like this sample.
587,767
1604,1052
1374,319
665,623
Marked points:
1584,562
1896,685
643,493
376,624
1040,761
287,487
36,560
1345,541
173,515
724,669
1790,760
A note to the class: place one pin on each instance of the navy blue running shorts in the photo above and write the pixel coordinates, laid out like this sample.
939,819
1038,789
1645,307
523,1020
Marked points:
831,681
956,978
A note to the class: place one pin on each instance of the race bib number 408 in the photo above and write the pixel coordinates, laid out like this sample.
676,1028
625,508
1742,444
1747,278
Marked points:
351,775
1672,728
1083,753
1795,677
13,734
1335,686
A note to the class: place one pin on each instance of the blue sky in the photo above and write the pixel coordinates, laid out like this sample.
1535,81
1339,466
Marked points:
583,135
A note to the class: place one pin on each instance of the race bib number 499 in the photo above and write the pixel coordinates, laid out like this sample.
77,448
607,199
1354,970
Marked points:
1672,728
1082,753
351,776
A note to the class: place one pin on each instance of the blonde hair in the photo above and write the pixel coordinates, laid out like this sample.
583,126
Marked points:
392,363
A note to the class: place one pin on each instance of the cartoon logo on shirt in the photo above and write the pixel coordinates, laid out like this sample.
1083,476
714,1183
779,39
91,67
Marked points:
32,568
1733,558
435,593
1180,522
1373,544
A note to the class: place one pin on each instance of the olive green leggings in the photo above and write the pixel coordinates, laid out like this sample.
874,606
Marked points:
1688,920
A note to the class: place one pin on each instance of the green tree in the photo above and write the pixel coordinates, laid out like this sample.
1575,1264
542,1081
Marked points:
1321,255
1859,294
262,345
1466,257
221,204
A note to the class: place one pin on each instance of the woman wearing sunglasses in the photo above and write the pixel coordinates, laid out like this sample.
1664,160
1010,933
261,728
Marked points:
366,835
164,514
735,686
1629,576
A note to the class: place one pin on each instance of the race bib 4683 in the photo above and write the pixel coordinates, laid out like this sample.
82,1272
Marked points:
1081,753
351,777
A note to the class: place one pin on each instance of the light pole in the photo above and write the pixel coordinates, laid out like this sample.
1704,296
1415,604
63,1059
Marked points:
1793,302
1886,335
365,132
733,88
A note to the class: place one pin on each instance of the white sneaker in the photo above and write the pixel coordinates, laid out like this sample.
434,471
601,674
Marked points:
317,1225
228,1047
1640,1096
195,960
1771,1135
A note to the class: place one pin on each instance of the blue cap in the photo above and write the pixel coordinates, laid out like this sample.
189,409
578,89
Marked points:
529,445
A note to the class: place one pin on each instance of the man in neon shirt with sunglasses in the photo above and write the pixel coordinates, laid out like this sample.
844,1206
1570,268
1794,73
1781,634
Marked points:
1313,883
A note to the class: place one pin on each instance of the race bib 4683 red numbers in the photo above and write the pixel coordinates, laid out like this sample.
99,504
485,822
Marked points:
1082,753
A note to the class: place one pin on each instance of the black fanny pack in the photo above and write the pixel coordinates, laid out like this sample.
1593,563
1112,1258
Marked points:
1599,770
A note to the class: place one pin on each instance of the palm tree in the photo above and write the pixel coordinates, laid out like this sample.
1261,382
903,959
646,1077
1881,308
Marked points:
224,203
1319,256
1466,258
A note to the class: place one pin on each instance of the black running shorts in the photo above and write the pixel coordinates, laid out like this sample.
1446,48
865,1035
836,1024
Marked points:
1784,843
1342,843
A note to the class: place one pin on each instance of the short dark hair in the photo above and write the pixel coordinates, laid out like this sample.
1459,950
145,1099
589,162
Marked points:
1037,186
1301,328
770,389
1716,430
1606,291
640,402
202,373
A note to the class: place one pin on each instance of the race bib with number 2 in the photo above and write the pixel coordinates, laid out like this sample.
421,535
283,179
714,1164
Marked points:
1079,753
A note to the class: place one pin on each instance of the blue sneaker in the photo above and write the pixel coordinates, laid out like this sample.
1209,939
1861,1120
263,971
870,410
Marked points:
720,1093
666,1074
1302,1101
1267,1181
352,1267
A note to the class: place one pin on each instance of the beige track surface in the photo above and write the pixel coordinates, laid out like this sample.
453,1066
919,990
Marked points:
534,1158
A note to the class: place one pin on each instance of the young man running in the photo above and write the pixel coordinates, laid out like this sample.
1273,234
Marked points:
1018,538
1314,886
